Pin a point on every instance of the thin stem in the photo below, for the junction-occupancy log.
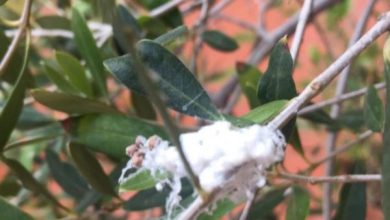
(332, 179)
(200, 26)
(343, 148)
(336, 109)
(320, 82)
(338, 99)
(303, 17)
(161, 10)
(248, 205)
(24, 25)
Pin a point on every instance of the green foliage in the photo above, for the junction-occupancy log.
(219, 41)
(70, 103)
(90, 168)
(90, 52)
(66, 176)
(352, 198)
(298, 205)
(373, 113)
(263, 207)
(8, 211)
(277, 82)
(248, 77)
(182, 91)
(386, 137)
(140, 180)
(108, 133)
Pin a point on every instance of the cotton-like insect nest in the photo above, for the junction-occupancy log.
(221, 155)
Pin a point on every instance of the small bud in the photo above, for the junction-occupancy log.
(137, 159)
(153, 142)
(140, 140)
(130, 150)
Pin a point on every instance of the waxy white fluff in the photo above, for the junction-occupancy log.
(222, 156)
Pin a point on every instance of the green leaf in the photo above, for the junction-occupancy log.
(153, 27)
(319, 116)
(88, 49)
(151, 198)
(277, 82)
(295, 141)
(176, 82)
(263, 207)
(13, 107)
(75, 72)
(373, 114)
(109, 134)
(29, 182)
(2, 2)
(129, 20)
(266, 112)
(54, 22)
(351, 119)
(143, 107)
(352, 199)
(249, 77)
(54, 73)
(171, 35)
(222, 208)
(386, 137)
(219, 41)
(91, 169)
(142, 179)
(8, 211)
(66, 176)
(173, 18)
(70, 103)
(298, 205)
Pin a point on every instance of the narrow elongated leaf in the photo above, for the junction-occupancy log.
(13, 107)
(54, 74)
(171, 35)
(143, 107)
(176, 82)
(142, 179)
(89, 51)
(109, 134)
(352, 199)
(373, 113)
(91, 169)
(222, 208)
(249, 77)
(298, 206)
(54, 22)
(71, 104)
(8, 211)
(75, 72)
(262, 208)
(386, 137)
(220, 41)
(29, 182)
(14, 66)
(128, 19)
(173, 18)
(66, 176)
(277, 82)
(265, 113)
(31, 118)
(150, 198)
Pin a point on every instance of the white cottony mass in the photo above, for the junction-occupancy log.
(224, 157)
